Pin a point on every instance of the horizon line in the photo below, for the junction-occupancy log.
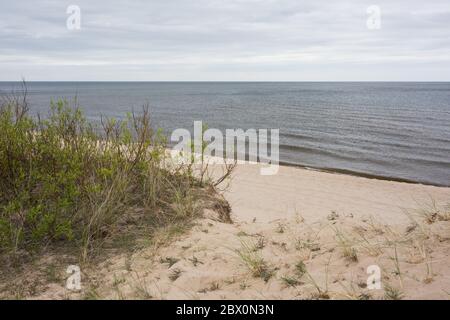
(234, 81)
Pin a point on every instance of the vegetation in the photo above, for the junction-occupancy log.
(67, 182)
(254, 262)
(290, 281)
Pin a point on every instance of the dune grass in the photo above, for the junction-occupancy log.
(67, 182)
(254, 261)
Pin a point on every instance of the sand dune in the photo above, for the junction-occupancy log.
(300, 234)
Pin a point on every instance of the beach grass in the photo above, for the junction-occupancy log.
(66, 182)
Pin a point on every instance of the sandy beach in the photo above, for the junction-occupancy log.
(225, 151)
(300, 234)
(315, 194)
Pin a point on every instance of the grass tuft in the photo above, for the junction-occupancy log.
(392, 293)
(290, 281)
(254, 262)
(175, 274)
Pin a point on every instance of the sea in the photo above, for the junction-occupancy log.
(386, 130)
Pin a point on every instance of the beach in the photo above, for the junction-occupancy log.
(233, 152)
(315, 194)
(300, 234)
(142, 221)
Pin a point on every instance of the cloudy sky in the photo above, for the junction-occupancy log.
(227, 40)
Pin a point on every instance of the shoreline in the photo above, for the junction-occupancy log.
(318, 192)
(330, 170)
(360, 174)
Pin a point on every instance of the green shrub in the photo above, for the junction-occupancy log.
(65, 180)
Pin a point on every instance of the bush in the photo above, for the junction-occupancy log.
(65, 180)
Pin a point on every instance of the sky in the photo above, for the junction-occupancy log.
(225, 40)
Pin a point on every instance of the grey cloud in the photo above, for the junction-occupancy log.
(225, 40)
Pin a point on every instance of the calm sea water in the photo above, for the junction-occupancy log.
(391, 130)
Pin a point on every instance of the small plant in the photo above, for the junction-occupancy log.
(169, 260)
(290, 281)
(260, 243)
(298, 217)
(392, 293)
(244, 286)
(444, 216)
(195, 261)
(214, 286)
(300, 269)
(431, 217)
(432, 212)
(348, 251)
(280, 228)
(242, 234)
(350, 254)
(308, 244)
(91, 294)
(117, 281)
(364, 296)
(175, 274)
(254, 262)
(333, 216)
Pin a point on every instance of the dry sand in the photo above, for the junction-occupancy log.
(315, 194)
(300, 234)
